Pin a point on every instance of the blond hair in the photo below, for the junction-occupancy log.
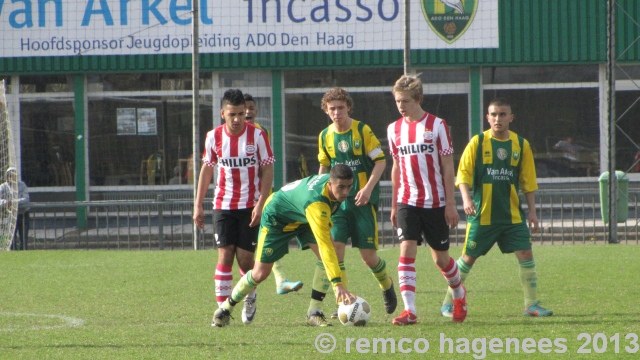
(411, 84)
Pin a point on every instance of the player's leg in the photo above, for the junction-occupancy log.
(410, 231)
(225, 237)
(284, 286)
(517, 239)
(247, 284)
(245, 253)
(273, 239)
(364, 236)
(437, 236)
(223, 277)
(340, 234)
(319, 288)
(465, 263)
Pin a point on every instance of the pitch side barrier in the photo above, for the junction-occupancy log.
(566, 217)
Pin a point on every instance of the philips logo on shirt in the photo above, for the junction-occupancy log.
(412, 149)
(238, 162)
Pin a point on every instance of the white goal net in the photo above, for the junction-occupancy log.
(9, 187)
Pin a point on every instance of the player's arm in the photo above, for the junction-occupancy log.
(529, 184)
(395, 182)
(464, 180)
(266, 181)
(206, 174)
(319, 216)
(450, 211)
(374, 152)
(532, 219)
(363, 196)
(323, 156)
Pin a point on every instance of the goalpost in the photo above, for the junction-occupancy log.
(8, 207)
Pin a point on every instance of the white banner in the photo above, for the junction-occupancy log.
(131, 27)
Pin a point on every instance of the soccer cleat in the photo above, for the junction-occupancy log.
(460, 307)
(334, 315)
(221, 317)
(406, 318)
(447, 310)
(317, 319)
(289, 286)
(249, 310)
(536, 310)
(390, 299)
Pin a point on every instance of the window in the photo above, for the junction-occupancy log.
(47, 142)
(547, 116)
(373, 104)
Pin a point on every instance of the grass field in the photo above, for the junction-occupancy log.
(158, 305)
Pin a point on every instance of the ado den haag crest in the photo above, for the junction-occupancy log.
(449, 18)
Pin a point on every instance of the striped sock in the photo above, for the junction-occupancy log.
(242, 288)
(319, 288)
(407, 282)
(529, 281)
(451, 274)
(463, 269)
(252, 294)
(278, 272)
(223, 280)
(380, 273)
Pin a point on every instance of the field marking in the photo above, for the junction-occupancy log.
(68, 322)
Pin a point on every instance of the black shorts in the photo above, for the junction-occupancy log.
(231, 227)
(416, 223)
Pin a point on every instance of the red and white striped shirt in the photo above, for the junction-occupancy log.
(418, 146)
(238, 159)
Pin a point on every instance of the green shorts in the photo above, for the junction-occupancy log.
(510, 238)
(359, 223)
(273, 240)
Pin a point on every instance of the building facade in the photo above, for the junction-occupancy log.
(88, 124)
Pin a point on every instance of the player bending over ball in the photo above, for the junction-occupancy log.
(302, 209)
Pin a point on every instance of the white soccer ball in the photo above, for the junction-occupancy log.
(357, 313)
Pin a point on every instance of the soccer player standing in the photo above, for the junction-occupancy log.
(244, 161)
(351, 142)
(301, 209)
(496, 164)
(422, 201)
(283, 286)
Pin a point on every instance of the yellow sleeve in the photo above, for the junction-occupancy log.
(467, 163)
(323, 159)
(527, 177)
(372, 145)
(319, 216)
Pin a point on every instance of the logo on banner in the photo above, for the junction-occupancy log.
(449, 18)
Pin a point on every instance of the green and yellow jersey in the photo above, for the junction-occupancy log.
(496, 170)
(265, 131)
(306, 201)
(358, 148)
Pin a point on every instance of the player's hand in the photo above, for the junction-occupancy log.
(451, 216)
(343, 296)
(469, 207)
(362, 197)
(256, 215)
(394, 220)
(198, 218)
(533, 222)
